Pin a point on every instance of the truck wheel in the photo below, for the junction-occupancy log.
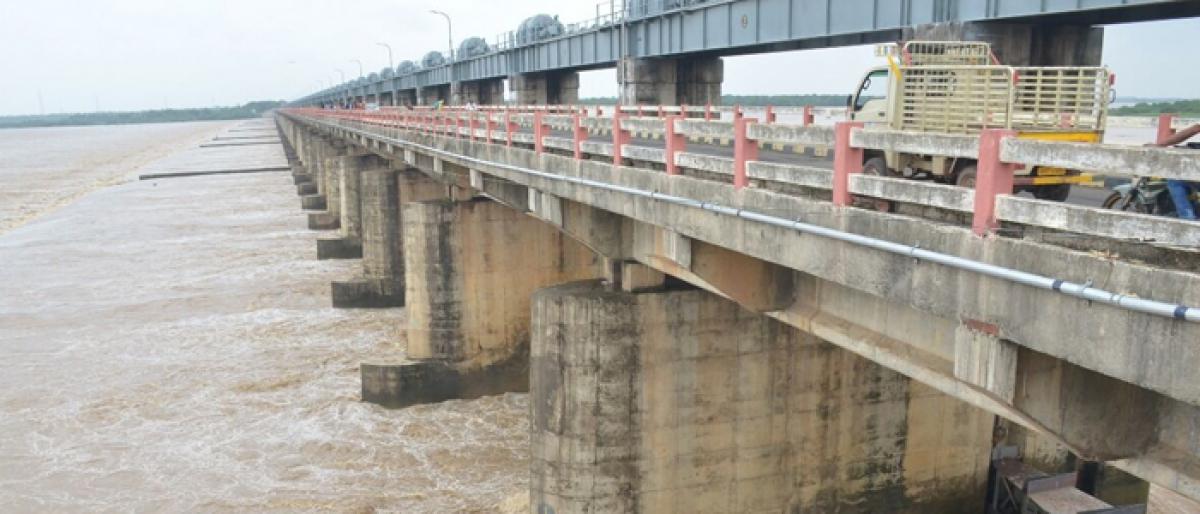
(966, 177)
(877, 166)
(1055, 193)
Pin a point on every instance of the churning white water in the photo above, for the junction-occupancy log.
(168, 345)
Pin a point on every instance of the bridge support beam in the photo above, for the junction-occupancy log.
(480, 92)
(546, 88)
(470, 270)
(681, 401)
(690, 81)
(382, 281)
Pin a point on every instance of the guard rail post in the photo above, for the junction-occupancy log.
(579, 134)
(744, 150)
(673, 143)
(620, 136)
(847, 160)
(1164, 128)
(539, 131)
(992, 177)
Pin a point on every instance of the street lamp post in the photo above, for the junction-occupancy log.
(391, 63)
(450, 40)
(343, 74)
(360, 67)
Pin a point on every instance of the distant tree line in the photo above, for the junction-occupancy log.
(249, 110)
(1189, 108)
(754, 100)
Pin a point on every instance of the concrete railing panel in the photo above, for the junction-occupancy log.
(1098, 222)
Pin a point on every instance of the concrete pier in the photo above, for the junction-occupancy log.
(480, 92)
(383, 192)
(681, 401)
(470, 270)
(348, 206)
(546, 88)
(688, 81)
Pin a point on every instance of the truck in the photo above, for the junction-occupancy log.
(960, 88)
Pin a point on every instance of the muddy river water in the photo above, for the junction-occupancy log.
(168, 346)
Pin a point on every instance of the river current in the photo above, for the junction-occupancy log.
(169, 345)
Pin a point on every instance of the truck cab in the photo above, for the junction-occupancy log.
(869, 103)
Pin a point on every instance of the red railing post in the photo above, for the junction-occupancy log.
(661, 112)
(847, 160)
(621, 137)
(737, 112)
(1164, 128)
(491, 126)
(471, 125)
(509, 127)
(579, 134)
(539, 130)
(639, 110)
(708, 112)
(673, 142)
(808, 115)
(992, 177)
(683, 110)
(744, 150)
(770, 114)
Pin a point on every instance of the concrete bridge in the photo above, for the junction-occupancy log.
(702, 333)
(669, 51)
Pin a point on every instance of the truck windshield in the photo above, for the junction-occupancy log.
(874, 87)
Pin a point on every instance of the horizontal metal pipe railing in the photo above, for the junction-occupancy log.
(1060, 286)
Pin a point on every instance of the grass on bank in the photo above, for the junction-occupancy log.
(249, 110)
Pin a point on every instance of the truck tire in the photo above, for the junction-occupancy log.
(1055, 193)
(965, 177)
(877, 166)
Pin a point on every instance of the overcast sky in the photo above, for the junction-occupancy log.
(140, 54)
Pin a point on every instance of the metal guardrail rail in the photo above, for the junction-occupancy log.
(466, 125)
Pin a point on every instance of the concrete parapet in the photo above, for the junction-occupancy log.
(470, 268)
(681, 401)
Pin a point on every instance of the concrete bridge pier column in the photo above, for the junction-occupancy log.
(348, 207)
(406, 97)
(429, 95)
(382, 281)
(546, 88)
(470, 269)
(302, 175)
(681, 401)
(690, 81)
(316, 200)
(480, 92)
